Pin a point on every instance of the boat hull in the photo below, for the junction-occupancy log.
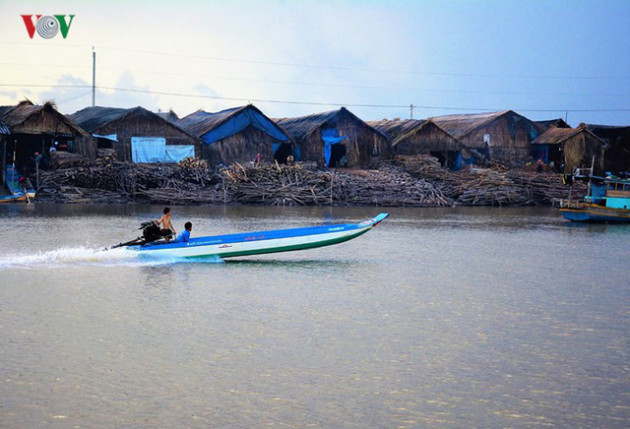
(594, 213)
(260, 242)
(13, 198)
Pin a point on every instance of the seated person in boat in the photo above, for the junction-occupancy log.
(167, 229)
(184, 236)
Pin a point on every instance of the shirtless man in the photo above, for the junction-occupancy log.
(167, 228)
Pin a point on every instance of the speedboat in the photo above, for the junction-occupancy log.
(249, 243)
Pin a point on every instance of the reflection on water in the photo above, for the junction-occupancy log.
(437, 318)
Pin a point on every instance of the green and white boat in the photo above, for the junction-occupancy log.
(255, 243)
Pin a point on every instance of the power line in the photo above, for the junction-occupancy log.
(318, 84)
(308, 103)
(330, 67)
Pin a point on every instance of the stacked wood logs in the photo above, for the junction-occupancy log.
(407, 182)
(272, 184)
(293, 185)
(132, 182)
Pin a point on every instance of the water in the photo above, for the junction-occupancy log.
(436, 318)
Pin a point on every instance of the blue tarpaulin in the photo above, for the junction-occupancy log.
(154, 149)
(241, 121)
(330, 137)
(175, 153)
(148, 149)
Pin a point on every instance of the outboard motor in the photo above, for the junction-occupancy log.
(150, 231)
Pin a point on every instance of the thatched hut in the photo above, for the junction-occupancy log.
(617, 152)
(238, 134)
(337, 138)
(38, 128)
(558, 123)
(170, 116)
(416, 137)
(569, 148)
(503, 136)
(137, 134)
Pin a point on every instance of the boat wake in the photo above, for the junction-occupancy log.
(72, 256)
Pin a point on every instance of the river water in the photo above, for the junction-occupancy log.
(467, 317)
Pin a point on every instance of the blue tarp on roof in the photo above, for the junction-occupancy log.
(241, 121)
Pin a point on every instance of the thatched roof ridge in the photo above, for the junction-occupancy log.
(15, 117)
(462, 124)
(201, 122)
(170, 116)
(94, 118)
(556, 135)
(559, 123)
(394, 128)
(613, 128)
(302, 127)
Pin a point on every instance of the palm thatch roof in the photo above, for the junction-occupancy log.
(94, 118)
(29, 118)
(303, 126)
(556, 136)
(170, 116)
(394, 129)
(559, 123)
(462, 125)
(201, 122)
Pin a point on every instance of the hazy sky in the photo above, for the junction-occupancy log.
(543, 59)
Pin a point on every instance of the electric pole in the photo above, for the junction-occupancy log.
(411, 111)
(93, 77)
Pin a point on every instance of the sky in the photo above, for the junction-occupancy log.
(544, 59)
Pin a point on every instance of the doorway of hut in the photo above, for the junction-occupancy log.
(338, 155)
(282, 152)
(22, 149)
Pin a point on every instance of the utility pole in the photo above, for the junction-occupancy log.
(411, 111)
(93, 77)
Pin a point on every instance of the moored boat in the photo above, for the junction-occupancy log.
(14, 197)
(20, 187)
(607, 200)
(255, 243)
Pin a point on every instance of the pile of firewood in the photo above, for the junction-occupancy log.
(126, 182)
(407, 182)
(272, 184)
(391, 187)
(424, 166)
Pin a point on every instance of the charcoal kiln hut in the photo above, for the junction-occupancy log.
(137, 134)
(41, 129)
(416, 137)
(617, 152)
(502, 136)
(569, 148)
(238, 134)
(336, 139)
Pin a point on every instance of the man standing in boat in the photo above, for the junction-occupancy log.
(167, 229)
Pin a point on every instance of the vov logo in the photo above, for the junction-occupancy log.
(47, 26)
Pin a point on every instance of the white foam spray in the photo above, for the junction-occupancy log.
(72, 256)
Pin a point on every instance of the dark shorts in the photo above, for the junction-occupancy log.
(166, 232)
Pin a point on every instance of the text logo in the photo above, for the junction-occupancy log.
(47, 26)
